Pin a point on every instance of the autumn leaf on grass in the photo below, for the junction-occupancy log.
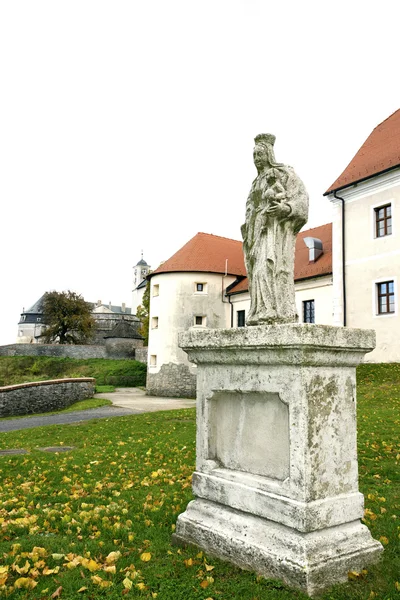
(100, 582)
(90, 564)
(384, 540)
(145, 556)
(57, 556)
(110, 569)
(357, 575)
(57, 593)
(127, 583)
(204, 584)
(22, 570)
(113, 557)
(82, 589)
(208, 567)
(47, 571)
(25, 583)
(141, 586)
(188, 562)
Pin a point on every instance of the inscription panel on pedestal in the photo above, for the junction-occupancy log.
(249, 431)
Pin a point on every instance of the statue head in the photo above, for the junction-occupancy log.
(263, 153)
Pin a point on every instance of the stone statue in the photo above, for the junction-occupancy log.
(276, 210)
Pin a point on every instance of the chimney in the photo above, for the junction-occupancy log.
(98, 302)
(123, 307)
(315, 248)
(109, 304)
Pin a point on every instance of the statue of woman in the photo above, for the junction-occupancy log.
(276, 210)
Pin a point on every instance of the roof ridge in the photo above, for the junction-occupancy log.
(316, 227)
(387, 118)
(221, 237)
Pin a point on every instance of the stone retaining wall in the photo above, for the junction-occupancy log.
(55, 350)
(73, 351)
(173, 381)
(44, 396)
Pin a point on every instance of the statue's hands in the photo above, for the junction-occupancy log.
(243, 230)
(279, 210)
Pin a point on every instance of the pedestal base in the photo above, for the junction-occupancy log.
(276, 480)
(308, 561)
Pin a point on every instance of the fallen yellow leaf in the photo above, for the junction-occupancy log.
(141, 586)
(145, 556)
(25, 583)
(90, 564)
(113, 557)
(208, 567)
(127, 583)
(82, 589)
(384, 540)
(204, 584)
(47, 571)
(22, 570)
(110, 569)
(188, 562)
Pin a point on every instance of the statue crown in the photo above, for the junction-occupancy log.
(265, 138)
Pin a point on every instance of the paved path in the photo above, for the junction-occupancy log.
(126, 401)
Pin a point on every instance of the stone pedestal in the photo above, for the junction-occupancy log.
(276, 480)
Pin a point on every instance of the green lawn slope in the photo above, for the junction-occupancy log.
(21, 369)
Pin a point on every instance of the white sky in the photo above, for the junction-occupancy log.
(129, 125)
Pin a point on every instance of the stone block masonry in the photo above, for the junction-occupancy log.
(80, 351)
(172, 381)
(44, 396)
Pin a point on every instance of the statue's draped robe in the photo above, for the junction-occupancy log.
(269, 246)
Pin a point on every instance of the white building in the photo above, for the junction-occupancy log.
(366, 240)
(205, 285)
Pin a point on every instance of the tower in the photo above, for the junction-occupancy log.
(140, 272)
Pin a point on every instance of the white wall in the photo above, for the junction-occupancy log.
(176, 306)
(368, 260)
(318, 289)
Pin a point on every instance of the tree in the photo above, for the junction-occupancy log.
(143, 313)
(67, 317)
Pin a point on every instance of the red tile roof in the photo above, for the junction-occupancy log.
(303, 269)
(380, 152)
(207, 253)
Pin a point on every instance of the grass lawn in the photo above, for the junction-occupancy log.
(96, 522)
(21, 369)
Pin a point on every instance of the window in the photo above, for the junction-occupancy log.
(153, 360)
(156, 290)
(199, 320)
(241, 318)
(200, 287)
(38, 319)
(308, 311)
(383, 220)
(385, 297)
(154, 323)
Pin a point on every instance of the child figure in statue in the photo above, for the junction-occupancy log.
(276, 210)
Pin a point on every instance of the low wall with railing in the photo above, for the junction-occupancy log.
(44, 396)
